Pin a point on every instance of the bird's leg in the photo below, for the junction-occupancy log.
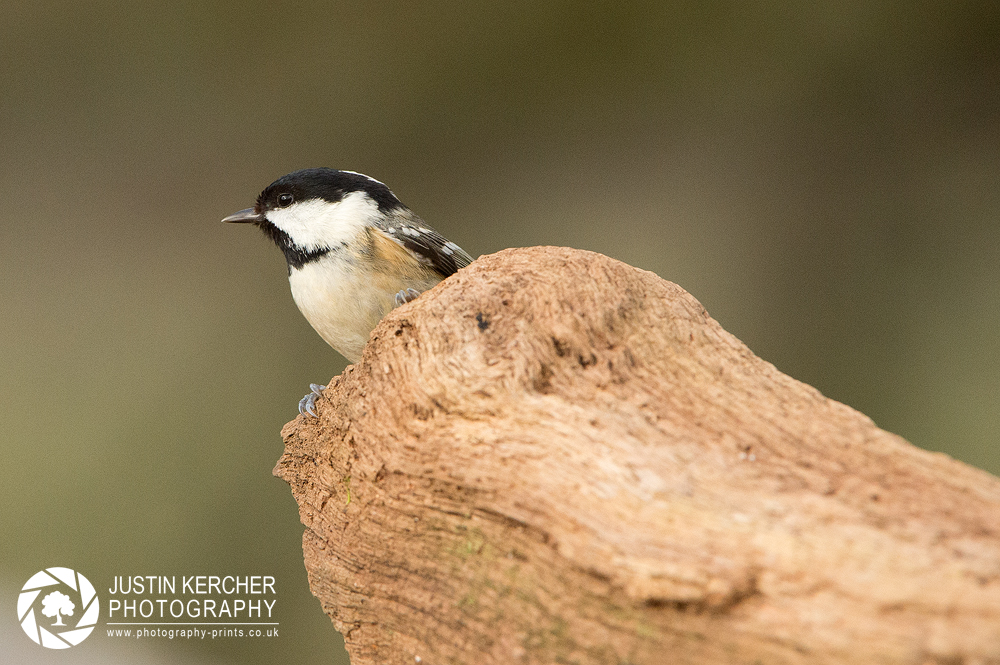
(405, 296)
(307, 405)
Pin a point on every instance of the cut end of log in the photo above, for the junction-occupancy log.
(556, 457)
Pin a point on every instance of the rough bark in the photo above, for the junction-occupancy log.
(553, 457)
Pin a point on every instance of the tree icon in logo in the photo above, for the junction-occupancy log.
(55, 605)
(57, 593)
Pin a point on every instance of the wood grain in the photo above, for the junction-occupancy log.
(554, 457)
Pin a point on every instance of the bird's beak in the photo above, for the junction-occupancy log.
(247, 216)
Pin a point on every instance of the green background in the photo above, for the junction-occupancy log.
(823, 177)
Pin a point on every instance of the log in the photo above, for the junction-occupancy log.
(554, 457)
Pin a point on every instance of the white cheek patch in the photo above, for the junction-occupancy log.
(318, 224)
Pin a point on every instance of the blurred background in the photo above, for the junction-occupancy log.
(823, 177)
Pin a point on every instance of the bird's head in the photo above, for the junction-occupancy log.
(310, 212)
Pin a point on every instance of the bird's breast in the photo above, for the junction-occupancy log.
(344, 302)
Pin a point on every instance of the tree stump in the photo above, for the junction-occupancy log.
(554, 457)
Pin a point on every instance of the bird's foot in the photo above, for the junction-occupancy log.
(405, 296)
(307, 405)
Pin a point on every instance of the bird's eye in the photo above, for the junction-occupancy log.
(285, 200)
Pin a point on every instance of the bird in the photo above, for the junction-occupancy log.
(354, 253)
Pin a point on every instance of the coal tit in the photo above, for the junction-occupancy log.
(354, 252)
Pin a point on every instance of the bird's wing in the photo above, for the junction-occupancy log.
(430, 247)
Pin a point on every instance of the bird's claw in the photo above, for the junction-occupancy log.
(406, 295)
(307, 405)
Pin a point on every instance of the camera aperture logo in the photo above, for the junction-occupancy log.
(58, 608)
